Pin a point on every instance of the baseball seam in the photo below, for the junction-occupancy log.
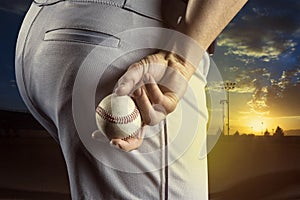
(133, 135)
(117, 119)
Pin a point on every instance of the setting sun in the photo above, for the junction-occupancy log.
(257, 125)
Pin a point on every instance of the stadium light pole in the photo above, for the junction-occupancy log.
(228, 85)
(223, 102)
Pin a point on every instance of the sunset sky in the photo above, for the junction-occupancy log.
(259, 50)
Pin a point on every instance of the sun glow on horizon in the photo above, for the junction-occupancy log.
(257, 125)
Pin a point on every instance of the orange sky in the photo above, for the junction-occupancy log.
(245, 120)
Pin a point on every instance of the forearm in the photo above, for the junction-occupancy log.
(205, 19)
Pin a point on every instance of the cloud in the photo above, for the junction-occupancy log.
(262, 31)
(287, 103)
(247, 80)
(233, 68)
(268, 95)
(276, 97)
(240, 87)
(250, 80)
(283, 94)
(261, 47)
(247, 53)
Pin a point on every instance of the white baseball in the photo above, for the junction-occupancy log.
(118, 117)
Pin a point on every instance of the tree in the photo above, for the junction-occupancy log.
(266, 133)
(237, 133)
(279, 132)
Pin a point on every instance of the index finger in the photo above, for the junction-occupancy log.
(129, 81)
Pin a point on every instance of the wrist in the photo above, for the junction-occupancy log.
(179, 64)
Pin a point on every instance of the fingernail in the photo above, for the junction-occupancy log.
(114, 145)
(120, 88)
(122, 84)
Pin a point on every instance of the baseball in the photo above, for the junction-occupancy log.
(118, 117)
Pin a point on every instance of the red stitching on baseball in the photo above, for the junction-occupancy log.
(117, 119)
(133, 135)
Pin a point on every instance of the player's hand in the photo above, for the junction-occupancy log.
(156, 83)
(130, 143)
